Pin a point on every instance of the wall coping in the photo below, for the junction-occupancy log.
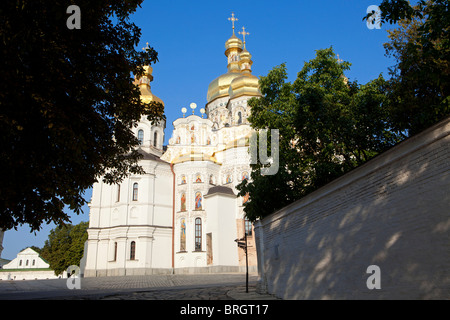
(402, 149)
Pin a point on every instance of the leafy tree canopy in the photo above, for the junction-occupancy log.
(419, 87)
(65, 246)
(67, 105)
(327, 124)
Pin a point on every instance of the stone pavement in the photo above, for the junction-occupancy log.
(226, 286)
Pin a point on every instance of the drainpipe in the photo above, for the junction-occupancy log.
(173, 218)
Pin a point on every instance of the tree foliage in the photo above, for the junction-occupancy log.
(65, 246)
(327, 124)
(67, 105)
(419, 87)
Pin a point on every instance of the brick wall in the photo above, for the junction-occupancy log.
(392, 212)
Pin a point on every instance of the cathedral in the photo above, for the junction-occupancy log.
(183, 215)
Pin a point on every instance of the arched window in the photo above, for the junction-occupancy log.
(248, 227)
(155, 139)
(198, 234)
(135, 191)
(132, 250)
(141, 136)
(239, 118)
(115, 251)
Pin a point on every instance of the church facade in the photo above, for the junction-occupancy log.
(184, 214)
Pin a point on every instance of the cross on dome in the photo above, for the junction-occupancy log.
(244, 33)
(232, 19)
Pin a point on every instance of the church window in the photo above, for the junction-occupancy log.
(183, 202)
(198, 201)
(248, 227)
(115, 251)
(155, 139)
(132, 250)
(198, 234)
(20, 263)
(26, 263)
(183, 235)
(34, 262)
(141, 136)
(135, 191)
(239, 121)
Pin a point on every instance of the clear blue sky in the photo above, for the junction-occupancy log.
(189, 37)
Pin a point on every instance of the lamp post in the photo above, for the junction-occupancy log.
(242, 243)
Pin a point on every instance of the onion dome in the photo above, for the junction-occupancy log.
(246, 83)
(219, 86)
(144, 86)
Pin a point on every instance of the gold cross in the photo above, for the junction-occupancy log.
(338, 59)
(244, 33)
(232, 19)
(145, 48)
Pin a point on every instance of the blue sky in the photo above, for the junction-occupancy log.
(189, 37)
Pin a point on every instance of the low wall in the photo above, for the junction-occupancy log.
(27, 275)
(393, 212)
(186, 270)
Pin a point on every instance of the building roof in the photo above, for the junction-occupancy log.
(150, 156)
(220, 189)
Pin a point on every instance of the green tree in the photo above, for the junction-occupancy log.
(67, 105)
(65, 246)
(419, 87)
(327, 124)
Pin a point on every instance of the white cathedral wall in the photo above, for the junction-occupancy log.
(147, 221)
(190, 169)
(221, 211)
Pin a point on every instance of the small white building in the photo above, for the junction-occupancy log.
(28, 265)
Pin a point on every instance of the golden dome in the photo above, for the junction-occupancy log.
(233, 43)
(219, 86)
(144, 86)
(246, 83)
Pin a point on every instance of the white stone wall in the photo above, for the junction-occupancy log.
(222, 216)
(118, 221)
(393, 212)
(28, 275)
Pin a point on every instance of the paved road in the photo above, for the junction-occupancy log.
(150, 287)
